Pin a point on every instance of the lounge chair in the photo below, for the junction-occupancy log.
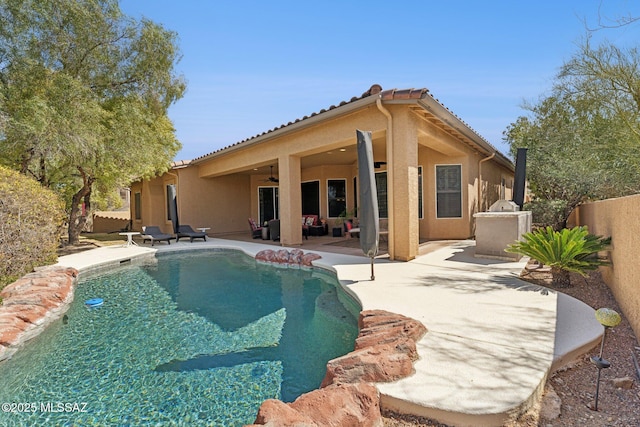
(153, 233)
(187, 231)
(256, 232)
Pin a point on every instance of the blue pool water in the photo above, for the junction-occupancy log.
(194, 339)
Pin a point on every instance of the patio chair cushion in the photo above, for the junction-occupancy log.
(256, 231)
(309, 220)
(312, 226)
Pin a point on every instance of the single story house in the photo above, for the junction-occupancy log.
(433, 172)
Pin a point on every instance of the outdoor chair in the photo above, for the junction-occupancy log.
(187, 231)
(153, 233)
(274, 229)
(256, 232)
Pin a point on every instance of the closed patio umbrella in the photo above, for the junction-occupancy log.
(173, 207)
(368, 209)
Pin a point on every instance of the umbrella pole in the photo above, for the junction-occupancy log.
(373, 277)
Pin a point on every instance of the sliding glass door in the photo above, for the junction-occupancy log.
(268, 199)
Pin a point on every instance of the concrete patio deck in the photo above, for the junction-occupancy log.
(492, 339)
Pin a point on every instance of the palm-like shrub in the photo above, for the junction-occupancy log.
(565, 251)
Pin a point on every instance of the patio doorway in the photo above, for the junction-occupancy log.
(268, 198)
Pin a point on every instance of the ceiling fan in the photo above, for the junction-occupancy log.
(271, 177)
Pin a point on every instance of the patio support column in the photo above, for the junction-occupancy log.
(404, 190)
(290, 196)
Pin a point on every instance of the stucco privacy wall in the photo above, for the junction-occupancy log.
(108, 225)
(618, 218)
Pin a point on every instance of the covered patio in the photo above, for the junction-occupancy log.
(338, 245)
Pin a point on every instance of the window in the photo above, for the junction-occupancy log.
(449, 191)
(268, 199)
(420, 209)
(137, 206)
(336, 197)
(311, 198)
(381, 189)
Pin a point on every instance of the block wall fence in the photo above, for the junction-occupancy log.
(620, 219)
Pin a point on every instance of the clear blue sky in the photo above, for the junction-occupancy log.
(251, 66)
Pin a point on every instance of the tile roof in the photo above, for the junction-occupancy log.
(180, 164)
(376, 89)
(403, 94)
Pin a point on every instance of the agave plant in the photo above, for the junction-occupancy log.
(565, 251)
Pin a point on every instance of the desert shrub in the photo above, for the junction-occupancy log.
(548, 213)
(31, 219)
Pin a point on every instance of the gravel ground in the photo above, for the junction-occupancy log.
(570, 393)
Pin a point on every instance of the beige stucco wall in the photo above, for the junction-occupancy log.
(287, 150)
(323, 137)
(222, 203)
(618, 218)
(221, 192)
(433, 228)
(153, 204)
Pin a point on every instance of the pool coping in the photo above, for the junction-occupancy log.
(493, 339)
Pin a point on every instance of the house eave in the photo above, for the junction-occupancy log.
(291, 127)
(449, 119)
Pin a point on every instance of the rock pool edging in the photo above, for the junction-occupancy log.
(33, 302)
(384, 351)
(295, 258)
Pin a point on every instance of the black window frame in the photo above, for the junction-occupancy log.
(336, 199)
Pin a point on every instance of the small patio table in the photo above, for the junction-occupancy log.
(129, 235)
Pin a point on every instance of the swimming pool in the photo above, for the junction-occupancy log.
(200, 338)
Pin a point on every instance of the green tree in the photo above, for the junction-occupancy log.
(583, 139)
(84, 94)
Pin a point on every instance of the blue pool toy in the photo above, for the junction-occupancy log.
(94, 302)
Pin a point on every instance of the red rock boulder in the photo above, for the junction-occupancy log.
(31, 303)
(339, 405)
(294, 259)
(385, 351)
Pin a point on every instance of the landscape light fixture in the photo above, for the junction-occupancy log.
(607, 318)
